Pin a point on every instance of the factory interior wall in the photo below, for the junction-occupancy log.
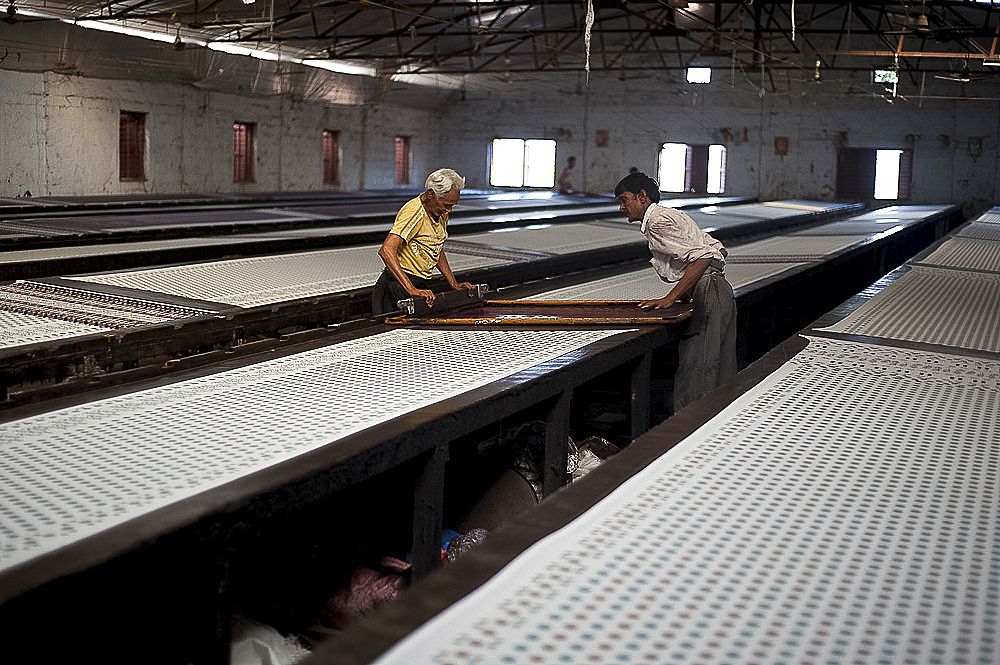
(612, 125)
(59, 135)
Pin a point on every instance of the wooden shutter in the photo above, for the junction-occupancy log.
(856, 174)
(242, 152)
(131, 146)
(905, 175)
(697, 169)
(331, 158)
(402, 160)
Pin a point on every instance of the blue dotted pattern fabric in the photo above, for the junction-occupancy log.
(845, 510)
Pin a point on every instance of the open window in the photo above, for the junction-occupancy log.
(874, 173)
(523, 163)
(700, 169)
(885, 76)
(698, 74)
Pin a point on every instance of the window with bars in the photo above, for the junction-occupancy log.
(402, 160)
(331, 158)
(131, 146)
(243, 152)
(700, 169)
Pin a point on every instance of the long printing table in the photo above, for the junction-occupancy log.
(51, 334)
(837, 502)
(766, 536)
(138, 498)
(31, 583)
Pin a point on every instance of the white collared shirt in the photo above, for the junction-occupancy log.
(675, 241)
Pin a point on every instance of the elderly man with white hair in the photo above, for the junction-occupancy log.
(415, 245)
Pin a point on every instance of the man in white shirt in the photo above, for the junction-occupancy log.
(692, 263)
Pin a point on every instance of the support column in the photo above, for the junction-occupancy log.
(640, 383)
(556, 432)
(428, 511)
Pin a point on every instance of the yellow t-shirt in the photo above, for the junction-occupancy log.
(423, 238)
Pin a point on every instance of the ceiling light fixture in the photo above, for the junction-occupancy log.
(24, 11)
(179, 42)
(125, 30)
(341, 67)
(236, 49)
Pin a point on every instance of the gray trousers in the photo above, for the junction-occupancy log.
(707, 349)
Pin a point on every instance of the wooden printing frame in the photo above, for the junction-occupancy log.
(673, 314)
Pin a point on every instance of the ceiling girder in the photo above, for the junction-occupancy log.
(492, 36)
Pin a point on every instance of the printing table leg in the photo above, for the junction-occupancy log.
(640, 387)
(556, 431)
(428, 511)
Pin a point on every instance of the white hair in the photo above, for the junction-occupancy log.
(443, 181)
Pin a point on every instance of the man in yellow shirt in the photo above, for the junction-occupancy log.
(415, 245)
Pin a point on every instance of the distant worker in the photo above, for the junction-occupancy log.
(693, 264)
(415, 245)
(565, 185)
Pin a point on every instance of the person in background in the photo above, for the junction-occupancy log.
(565, 186)
(415, 245)
(692, 264)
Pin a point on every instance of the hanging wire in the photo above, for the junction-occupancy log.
(793, 20)
(586, 35)
(895, 79)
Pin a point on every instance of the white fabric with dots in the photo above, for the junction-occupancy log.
(17, 328)
(559, 238)
(71, 473)
(845, 510)
(981, 231)
(967, 254)
(644, 284)
(264, 280)
(957, 308)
